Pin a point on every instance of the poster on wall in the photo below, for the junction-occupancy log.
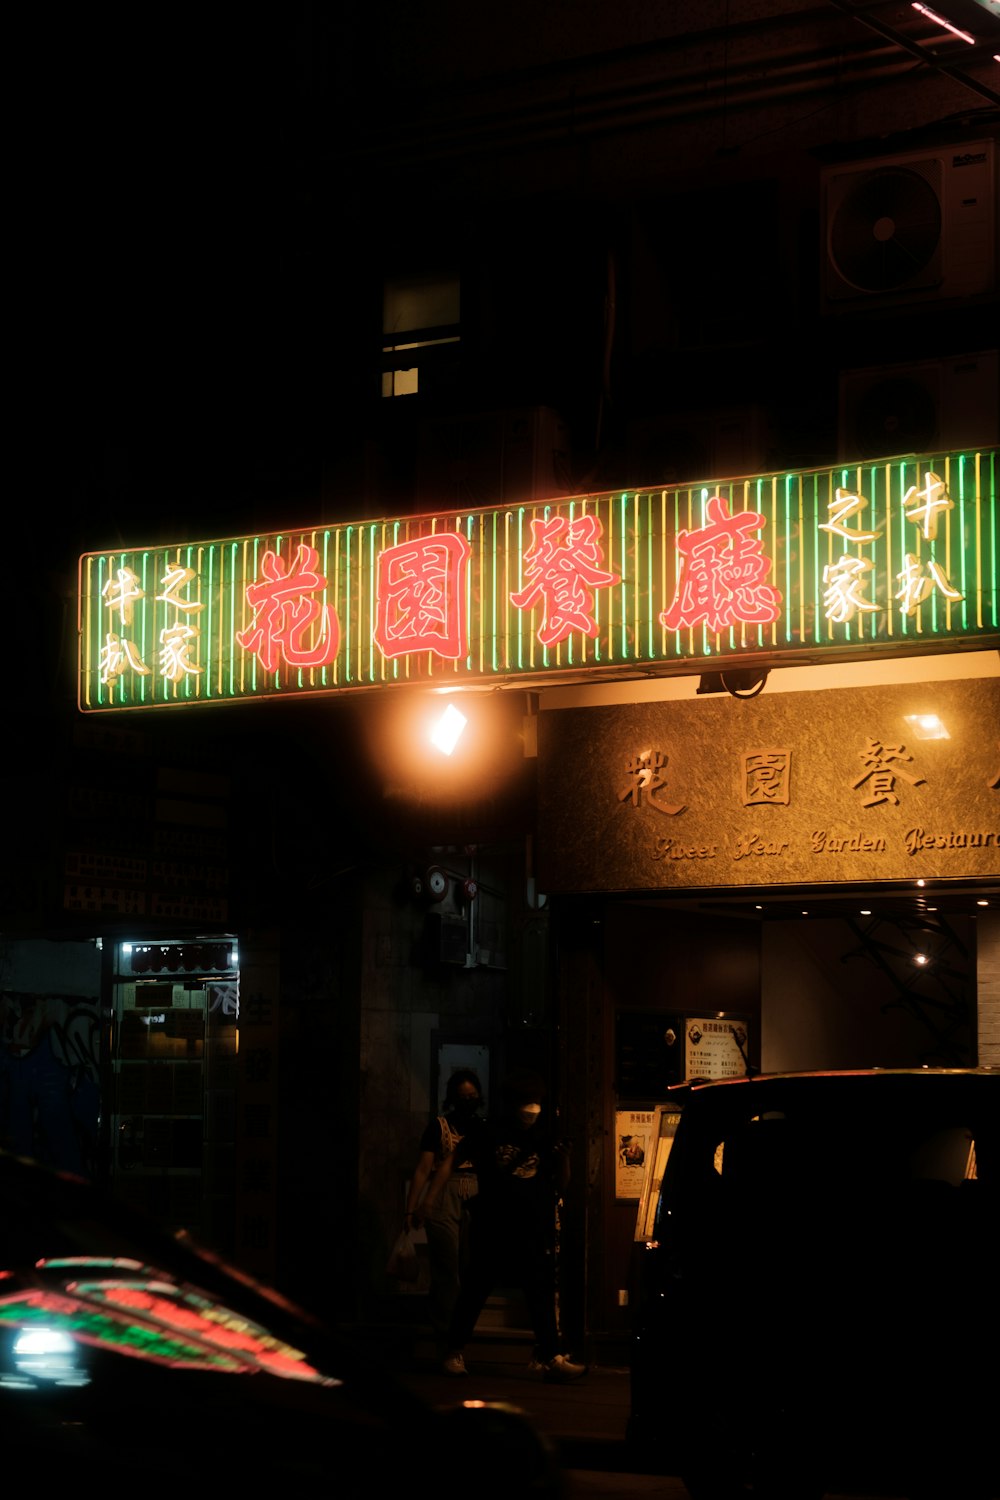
(716, 1047)
(635, 1141)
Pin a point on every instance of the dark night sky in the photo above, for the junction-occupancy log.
(169, 345)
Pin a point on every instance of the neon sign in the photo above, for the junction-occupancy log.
(896, 555)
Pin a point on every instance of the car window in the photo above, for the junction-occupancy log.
(810, 1145)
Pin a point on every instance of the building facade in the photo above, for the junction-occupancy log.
(661, 254)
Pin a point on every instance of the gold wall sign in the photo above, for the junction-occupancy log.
(799, 788)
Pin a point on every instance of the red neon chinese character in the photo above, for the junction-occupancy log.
(563, 566)
(284, 612)
(420, 596)
(722, 573)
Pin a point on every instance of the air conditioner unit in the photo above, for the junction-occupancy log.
(911, 228)
(922, 407)
(492, 458)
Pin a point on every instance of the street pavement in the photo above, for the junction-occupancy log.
(585, 1420)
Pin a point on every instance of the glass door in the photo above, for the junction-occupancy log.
(175, 1042)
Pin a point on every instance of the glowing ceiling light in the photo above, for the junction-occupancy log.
(920, 958)
(447, 731)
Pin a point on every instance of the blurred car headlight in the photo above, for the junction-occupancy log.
(48, 1354)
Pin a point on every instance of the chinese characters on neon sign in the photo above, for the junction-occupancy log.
(564, 566)
(723, 573)
(420, 594)
(773, 565)
(286, 612)
(847, 579)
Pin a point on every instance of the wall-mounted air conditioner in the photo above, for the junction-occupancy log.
(915, 227)
(921, 407)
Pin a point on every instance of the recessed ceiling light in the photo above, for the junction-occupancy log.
(982, 903)
(927, 726)
(865, 912)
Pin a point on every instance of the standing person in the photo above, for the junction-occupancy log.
(522, 1172)
(446, 1220)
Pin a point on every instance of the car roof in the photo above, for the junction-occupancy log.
(699, 1086)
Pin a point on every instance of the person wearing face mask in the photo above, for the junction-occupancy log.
(445, 1217)
(522, 1172)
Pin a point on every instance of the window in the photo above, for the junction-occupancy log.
(420, 320)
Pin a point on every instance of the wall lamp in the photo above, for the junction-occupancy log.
(739, 682)
(447, 729)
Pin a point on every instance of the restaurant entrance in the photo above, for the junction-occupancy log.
(658, 990)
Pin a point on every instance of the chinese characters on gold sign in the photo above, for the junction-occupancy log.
(766, 777)
(646, 784)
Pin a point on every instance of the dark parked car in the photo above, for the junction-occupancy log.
(818, 1303)
(129, 1357)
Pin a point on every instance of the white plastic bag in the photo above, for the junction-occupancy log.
(403, 1260)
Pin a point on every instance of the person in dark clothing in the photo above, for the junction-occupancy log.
(446, 1222)
(522, 1171)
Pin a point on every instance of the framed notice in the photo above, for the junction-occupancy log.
(716, 1047)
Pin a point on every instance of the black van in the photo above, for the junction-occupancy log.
(817, 1303)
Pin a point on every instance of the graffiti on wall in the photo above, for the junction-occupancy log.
(50, 1078)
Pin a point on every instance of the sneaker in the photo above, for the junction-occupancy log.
(454, 1365)
(563, 1369)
